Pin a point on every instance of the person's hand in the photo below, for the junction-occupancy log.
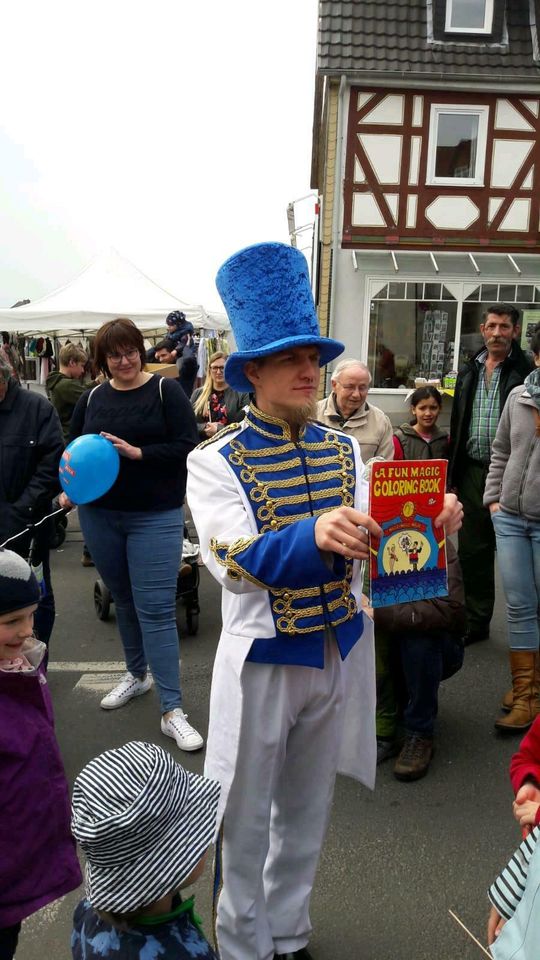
(341, 531)
(528, 791)
(525, 806)
(451, 516)
(495, 925)
(366, 608)
(64, 502)
(494, 507)
(525, 814)
(210, 429)
(124, 448)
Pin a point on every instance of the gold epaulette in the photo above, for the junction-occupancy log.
(220, 433)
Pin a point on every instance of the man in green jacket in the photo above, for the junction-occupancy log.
(64, 387)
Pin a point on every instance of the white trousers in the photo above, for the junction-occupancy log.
(279, 804)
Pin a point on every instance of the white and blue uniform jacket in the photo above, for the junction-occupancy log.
(257, 535)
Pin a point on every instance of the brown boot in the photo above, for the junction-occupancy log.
(507, 701)
(526, 705)
(414, 758)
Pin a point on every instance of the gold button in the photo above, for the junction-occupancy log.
(273, 523)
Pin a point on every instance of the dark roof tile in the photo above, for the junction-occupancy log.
(358, 36)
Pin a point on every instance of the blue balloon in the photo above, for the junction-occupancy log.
(88, 468)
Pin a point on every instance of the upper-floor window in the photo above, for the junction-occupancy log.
(469, 16)
(457, 145)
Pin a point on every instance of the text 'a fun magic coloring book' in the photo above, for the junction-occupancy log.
(409, 561)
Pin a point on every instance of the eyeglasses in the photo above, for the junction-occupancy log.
(218, 368)
(118, 357)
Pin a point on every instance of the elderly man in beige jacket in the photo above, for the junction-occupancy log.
(347, 409)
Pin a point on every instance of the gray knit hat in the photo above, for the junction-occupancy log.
(18, 585)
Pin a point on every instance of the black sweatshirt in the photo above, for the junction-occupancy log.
(165, 430)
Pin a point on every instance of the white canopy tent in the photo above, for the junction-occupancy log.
(109, 287)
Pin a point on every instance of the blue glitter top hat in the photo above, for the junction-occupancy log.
(267, 295)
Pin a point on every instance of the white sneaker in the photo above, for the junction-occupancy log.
(128, 688)
(180, 730)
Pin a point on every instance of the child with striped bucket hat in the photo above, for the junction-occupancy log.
(145, 825)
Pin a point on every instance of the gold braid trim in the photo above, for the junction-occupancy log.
(253, 469)
(268, 509)
(284, 483)
(323, 461)
(267, 418)
(225, 553)
(284, 597)
(288, 594)
(267, 433)
(260, 492)
(262, 451)
(278, 522)
(290, 627)
(220, 433)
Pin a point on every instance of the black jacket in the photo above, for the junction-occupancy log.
(232, 400)
(414, 446)
(31, 444)
(515, 368)
(429, 616)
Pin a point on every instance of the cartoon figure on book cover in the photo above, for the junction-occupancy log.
(409, 562)
(414, 554)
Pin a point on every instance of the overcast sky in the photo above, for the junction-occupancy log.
(175, 131)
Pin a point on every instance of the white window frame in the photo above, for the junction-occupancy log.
(482, 112)
(488, 20)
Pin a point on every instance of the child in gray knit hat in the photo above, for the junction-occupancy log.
(38, 863)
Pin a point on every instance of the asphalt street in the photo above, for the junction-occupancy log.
(395, 861)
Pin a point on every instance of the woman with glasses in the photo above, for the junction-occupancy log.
(216, 404)
(135, 531)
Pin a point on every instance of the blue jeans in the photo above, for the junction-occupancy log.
(426, 661)
(410, 668)
(518, 550)
(138, 555)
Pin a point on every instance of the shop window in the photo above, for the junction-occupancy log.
(507, 293)
(469, 16)
(457, 145)
(524, 294)
(489, 293)
(410, 339)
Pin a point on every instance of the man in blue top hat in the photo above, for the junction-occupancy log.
(293, 691)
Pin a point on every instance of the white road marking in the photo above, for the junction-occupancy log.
(99, 682)
(95, 666)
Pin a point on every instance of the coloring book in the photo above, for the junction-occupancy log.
(409, 561)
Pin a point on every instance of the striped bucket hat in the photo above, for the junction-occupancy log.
(144, 823)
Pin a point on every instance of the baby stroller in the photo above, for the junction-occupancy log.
(187, 589)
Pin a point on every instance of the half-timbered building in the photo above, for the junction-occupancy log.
(426, 156)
